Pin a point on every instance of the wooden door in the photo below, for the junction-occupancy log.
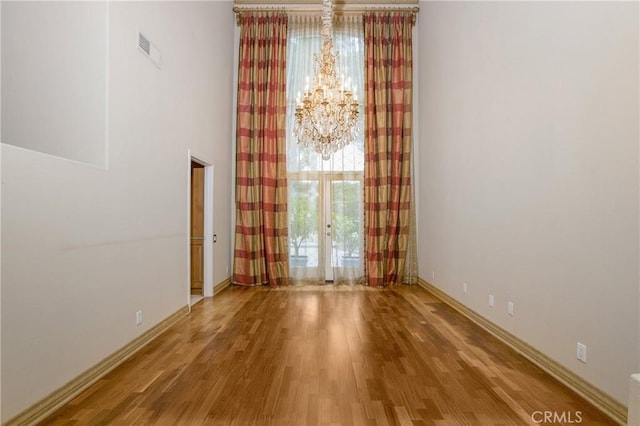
(197, 227)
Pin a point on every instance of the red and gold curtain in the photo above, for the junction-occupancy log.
(260, 254)
(388, 124)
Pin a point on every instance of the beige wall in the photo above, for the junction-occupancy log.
(0, 216)
(85, 247)
(528, 173)
(527, 186)
(71, 113)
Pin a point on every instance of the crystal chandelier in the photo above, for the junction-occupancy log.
(327, 115)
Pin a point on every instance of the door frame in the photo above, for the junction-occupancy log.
(327, 213)
(207, 285)
(326, 230)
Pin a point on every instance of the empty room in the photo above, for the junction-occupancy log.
(320, 212)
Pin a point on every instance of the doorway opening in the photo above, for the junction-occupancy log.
(197, 229)
(200, 251)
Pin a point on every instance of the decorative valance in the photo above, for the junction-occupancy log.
(312, 8)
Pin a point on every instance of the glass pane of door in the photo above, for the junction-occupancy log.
(304, 221)
(346, 223)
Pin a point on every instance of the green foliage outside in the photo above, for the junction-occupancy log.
(347, 232)
(303, 217)
(346, 216)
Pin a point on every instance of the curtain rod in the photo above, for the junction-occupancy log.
(313, 10)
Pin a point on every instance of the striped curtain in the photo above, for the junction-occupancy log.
(388, 124)
(260, 253)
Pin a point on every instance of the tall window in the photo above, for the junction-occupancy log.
(325, 197)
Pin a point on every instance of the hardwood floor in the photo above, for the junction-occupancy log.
(326, 356)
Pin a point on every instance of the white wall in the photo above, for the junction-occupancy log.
(528, 184)
(85, 247)
(0, 214)
(55, 86)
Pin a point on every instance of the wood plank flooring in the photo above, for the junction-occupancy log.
(325, 356)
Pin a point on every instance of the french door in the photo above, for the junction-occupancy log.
(325, 225)
(325, 196)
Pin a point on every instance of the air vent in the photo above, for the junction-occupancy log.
(149, 50)
(144, 44)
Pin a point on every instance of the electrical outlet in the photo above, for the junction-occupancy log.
(510, 308)
(492, 300)
(464, 288)
(581, 352)
(138, 317)
(433, 275)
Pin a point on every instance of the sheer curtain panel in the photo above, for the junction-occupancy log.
(325, 197)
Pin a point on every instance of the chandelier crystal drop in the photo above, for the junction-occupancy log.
(327, 115)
